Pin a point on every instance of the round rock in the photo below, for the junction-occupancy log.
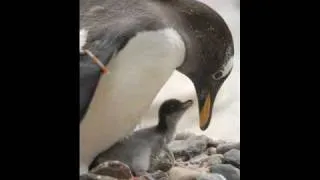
(227, 170)
(232, 157)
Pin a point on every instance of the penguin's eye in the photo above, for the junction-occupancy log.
(224, 70)
(218, 75)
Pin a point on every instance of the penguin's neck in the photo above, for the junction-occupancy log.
(137, 73)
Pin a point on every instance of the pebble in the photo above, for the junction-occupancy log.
(211, 150)
(232, 157)
(223, 148)
(180, 173)
(227, 170)
(212, 160)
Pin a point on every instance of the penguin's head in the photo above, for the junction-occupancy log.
(208, 87)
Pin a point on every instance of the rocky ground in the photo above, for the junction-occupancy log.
(189, 157)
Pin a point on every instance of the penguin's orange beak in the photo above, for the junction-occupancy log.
(205, 113)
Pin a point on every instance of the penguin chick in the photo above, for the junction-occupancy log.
(137, 149)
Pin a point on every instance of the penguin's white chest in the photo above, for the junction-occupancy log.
(137, 73)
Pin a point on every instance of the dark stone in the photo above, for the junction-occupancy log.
(227, 170)
(223, 148)
(114, 169)
(232, 157)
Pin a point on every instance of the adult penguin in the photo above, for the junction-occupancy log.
(142, 42)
